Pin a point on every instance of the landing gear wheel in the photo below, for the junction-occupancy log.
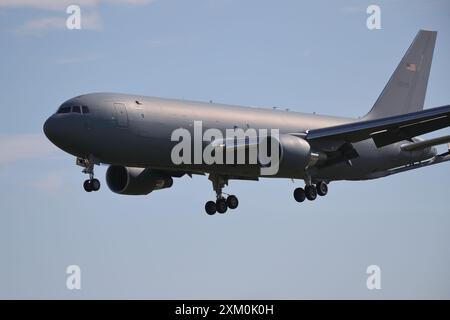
(87, 185)
(232, 202)
(322, 188)
(95, 184)
(221, 205)
(310, 192)
(210, 208)
(299, 195)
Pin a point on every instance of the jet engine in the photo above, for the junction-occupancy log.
(295, 154)
(135, 181)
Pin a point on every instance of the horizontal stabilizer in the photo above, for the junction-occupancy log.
(426, 143)
(445, 157)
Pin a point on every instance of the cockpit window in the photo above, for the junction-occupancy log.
(64, 109)
(74, 109)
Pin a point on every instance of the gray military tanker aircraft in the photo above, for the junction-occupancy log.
(135, 136)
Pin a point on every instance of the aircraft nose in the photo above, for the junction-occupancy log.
(56, 130)
(66, 132)
(50, 129)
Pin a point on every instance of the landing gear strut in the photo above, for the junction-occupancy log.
(91, 184)
(222, 203)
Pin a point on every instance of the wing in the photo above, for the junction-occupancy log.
(383, 131)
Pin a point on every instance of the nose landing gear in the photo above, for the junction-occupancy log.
(91, 184)
(222, 203)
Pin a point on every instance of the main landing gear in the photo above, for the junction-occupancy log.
(222, 203)
(91, 184)
(311, 191)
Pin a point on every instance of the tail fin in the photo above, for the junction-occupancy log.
(406, 89)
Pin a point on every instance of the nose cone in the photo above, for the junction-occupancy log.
(59, 131)
(50, 129)
(68, 133)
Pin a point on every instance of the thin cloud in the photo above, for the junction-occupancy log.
(63, 4)
(353, 9)
(153, 43)
(133, 2)
(46, 4)
(52, 182)
(78, 59)
(37, 26)
(90, 19)
(22, 147)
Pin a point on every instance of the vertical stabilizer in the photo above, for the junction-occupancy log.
(406, 89)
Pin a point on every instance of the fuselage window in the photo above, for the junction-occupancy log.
(65, 109)
(76, 109)
(85, 109)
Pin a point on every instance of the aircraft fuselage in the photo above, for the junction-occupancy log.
(135, 131)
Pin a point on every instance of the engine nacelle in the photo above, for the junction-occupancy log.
(135, 181)
(295, 154)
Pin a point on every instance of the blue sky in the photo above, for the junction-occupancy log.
(307, 56)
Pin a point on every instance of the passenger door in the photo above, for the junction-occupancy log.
(121, 115)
